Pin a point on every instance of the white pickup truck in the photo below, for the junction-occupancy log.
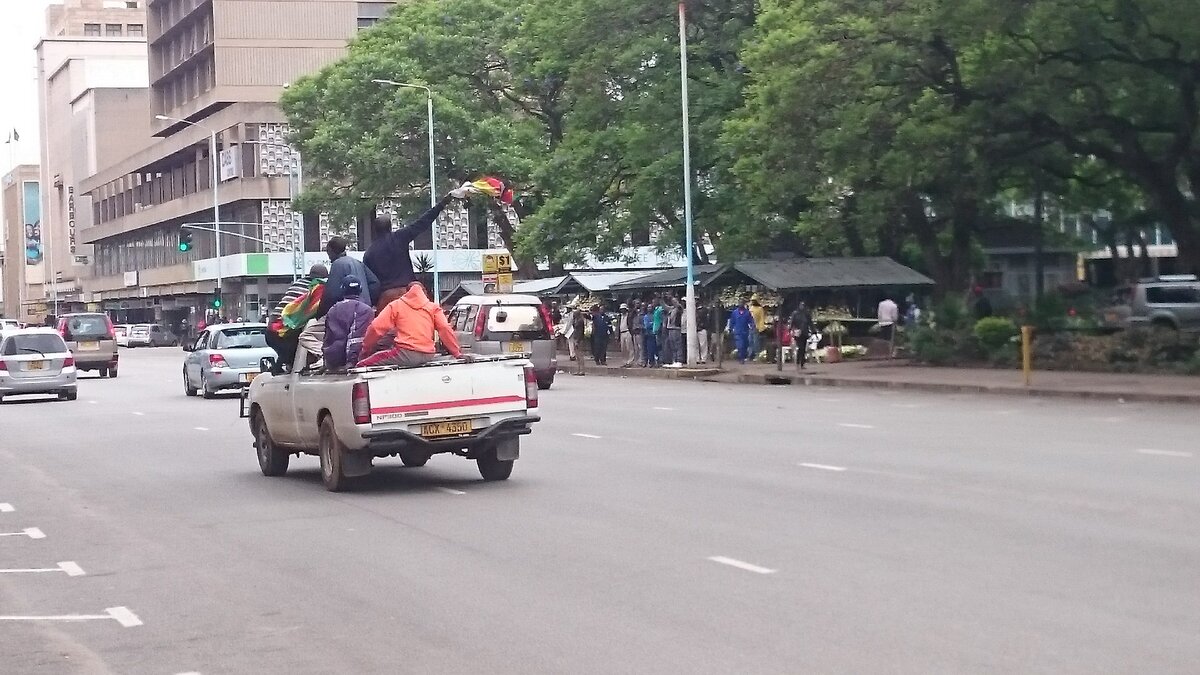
(476, 409)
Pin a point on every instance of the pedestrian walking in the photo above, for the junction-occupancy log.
(625, 327)
(578, 335)
(760, 324)
(601, 329)
(742, 325)
(650, 343)
(887, 315)
(800, 325)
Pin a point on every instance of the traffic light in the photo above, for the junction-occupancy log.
(215, 303)
(185, 240)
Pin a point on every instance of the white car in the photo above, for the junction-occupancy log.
(122, 332)
(36, 361)
(477, 409)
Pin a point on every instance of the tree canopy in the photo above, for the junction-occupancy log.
(818, 126)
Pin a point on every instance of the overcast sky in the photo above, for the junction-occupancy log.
(21, 25)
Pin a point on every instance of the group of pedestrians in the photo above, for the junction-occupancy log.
(364, 313)
(652, 332)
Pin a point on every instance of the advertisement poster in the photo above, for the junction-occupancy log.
(32, 195)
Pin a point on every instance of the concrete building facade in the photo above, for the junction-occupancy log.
(24, 259)
(97, 18)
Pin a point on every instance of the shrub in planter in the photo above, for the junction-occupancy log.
(994, 332)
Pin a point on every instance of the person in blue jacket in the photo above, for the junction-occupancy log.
(650, 349)
(741, 324)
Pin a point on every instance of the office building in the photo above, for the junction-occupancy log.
(24, 263)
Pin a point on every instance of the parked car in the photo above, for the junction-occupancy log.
(507, 324)
(10, 324)
(1169, 302)
(92, 341)
(36, 361)
(121, 334)
(151, 335)
(224, 357)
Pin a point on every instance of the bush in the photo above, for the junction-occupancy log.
(994, 332)
(951, 314)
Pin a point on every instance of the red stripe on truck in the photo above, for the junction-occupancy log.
(464, 403)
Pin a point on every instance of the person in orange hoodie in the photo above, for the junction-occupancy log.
(411, 320)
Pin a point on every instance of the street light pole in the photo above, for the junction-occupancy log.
(437, 286)
(693, 349)
(216, 179)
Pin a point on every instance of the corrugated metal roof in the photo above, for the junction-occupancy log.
(670, 278)
(595, 282)
(805, 273)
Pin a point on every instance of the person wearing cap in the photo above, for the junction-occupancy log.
(346, 325)
(625, 335)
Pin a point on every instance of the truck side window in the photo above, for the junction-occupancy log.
(469, 318)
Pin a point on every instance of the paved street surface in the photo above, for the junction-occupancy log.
(650, 527)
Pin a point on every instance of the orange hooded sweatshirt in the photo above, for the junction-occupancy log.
(413, 318)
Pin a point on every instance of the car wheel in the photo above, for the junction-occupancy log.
(103, 373)
(271, 460)
(188, 389)
(494, 469)
(414, 459)
(333, 474)
(112, 372)
(204, 389)
(545, 382)
(68, 396)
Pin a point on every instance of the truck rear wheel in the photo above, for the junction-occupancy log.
(271, 460)
(333, 473)
(492, 468)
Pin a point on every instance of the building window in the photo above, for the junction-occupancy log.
(136, 30)
(113, 30)
(91, 29)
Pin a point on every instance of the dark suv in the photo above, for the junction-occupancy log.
(1171, 302)
(92, 341)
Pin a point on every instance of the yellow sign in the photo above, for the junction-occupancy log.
(504, 282)
(497, 263)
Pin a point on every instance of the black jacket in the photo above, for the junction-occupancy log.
(389, 259)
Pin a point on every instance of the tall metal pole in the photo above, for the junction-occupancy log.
(693, 349)
(298, 264)
(216, 179)
(433, 231)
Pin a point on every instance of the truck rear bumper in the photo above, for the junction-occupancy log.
(395, 439)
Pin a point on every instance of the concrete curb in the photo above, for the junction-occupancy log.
(716, 375)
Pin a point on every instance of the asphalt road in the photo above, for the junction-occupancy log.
(650, 527)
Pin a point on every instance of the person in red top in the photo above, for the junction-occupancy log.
(411, 321)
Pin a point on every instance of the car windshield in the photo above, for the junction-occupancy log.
(34, 343)
(86, 326)
(242, 338)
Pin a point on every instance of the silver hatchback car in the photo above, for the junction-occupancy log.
(36, 361)
(225, 356)
(507, 324)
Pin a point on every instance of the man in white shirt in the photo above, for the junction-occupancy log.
(889, 314)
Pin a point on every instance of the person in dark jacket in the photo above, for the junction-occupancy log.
(601, 329)
(388, 256)
(343, 266)
(800, 325)
(346, 325)
(742, 325)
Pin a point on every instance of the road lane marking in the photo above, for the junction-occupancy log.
(450, 491)
(823, 467)
(6, 508)
(31, 532)
(851, 425)
(121, 615)
(658, 407)
(741, 564)
(200, 428)
(1164, 453)
(139, 413)
(908, 406)
(586, 436)
(69, 567)
(93, 402)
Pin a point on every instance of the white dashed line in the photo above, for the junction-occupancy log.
(586, 436)
(93, 402)
(450, 491)
(657, 407)
(6, 508)
(121, 615)
(69, 567)
(200, 428)
(741, 565)
(139, 414)
(850, 425)
(31, 532)
(1164, 453)
(823, 467)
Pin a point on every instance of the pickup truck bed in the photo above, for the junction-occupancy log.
(476, 409)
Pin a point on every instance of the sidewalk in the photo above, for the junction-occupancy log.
(902, 375)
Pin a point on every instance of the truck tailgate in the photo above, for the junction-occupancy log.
(447, 391)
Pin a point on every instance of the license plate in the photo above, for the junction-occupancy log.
(517, 347)
(37, 365)
(455, 428)
(248, 377)
(1110, 317)
(89, 346)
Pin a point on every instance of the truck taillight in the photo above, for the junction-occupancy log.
(481, 321)
(360, 403)
(531, 388)
(217, 361)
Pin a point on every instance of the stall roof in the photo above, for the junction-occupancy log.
(791, 274)
(596, 282)
(804, 273)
